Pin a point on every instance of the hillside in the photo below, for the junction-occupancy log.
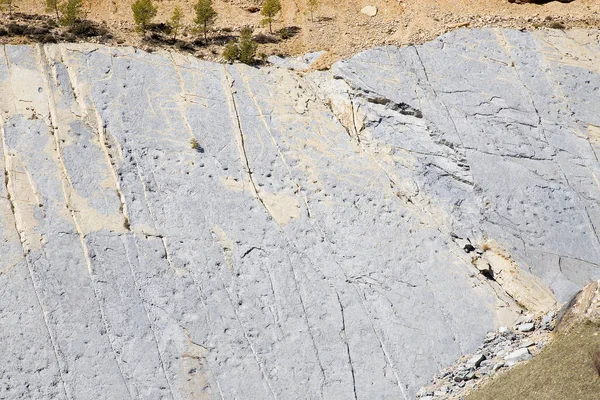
(177, 228)
(341, 29)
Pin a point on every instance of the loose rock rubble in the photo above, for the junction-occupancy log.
(500, 351)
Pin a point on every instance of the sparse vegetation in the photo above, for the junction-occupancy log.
(205, 15)
(52, 6)
(7, 4)
(596, 360)
(231, 52)
(72, 11)
(176, 21)
(284, 33)
(248, 46)
(269, 10)
(143, 13)
(312, 6)
(195, 145)
(556, 25)
(265, 38)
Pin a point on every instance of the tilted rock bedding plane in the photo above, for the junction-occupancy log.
(339, 234)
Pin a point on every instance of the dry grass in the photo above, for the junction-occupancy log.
(563, 370)
(596, 361)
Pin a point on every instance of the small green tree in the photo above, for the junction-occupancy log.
(248, 46)
(312, 6)
(7, 4)
(71, 11)
(269, 10)
(231, 52)
(143, 12)
(205, 15)
(52, 6)
(176, 19)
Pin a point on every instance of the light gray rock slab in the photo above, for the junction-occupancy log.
(517, 356)
(369, 11)
(474, 361)
(495, 123)
(526, 327)
(308, 247)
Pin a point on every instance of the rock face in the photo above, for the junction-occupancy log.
(322, 241)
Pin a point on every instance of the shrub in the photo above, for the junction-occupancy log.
(269, 9)
(248, 46)
(312, 6)
(205, 15)
(88, 29)
(143, 12)
(7, 4)
(263, 39)
(195, 145)
(72, 11)
(284, 33)
(556, 25)
(175, 22)
(231, 52)
(15, 29)
(52, 6)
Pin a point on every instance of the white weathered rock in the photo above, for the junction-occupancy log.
(475, 361)
(526, 327)
(516, 356)
(527, 343)
(369, 11)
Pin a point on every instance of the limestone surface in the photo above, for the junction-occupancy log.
(325, 238)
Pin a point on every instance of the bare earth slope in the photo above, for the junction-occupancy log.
(340, 28)
(326, 238)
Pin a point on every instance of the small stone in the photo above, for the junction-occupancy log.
(489, 337)
(369, 11)
(527, 343)
(517, 356)
(439, 393)
(475, 361)
(503, 330)
(423, 393)
(547, 320)
(469, 376)
(483, 266)
(498, 366)
(461, 384)
(526, 327)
